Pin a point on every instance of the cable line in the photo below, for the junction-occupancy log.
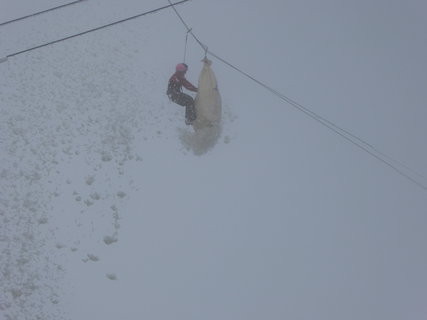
(353, 139)
(88, 31)
(362, 144)
(40, 12)
(189, 30)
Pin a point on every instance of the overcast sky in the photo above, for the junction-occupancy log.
(107, 213)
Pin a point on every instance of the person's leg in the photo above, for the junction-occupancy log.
(190, 112)
(185, 100)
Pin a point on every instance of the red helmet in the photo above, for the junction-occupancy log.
(181, 67)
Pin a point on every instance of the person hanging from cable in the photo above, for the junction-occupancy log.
(174, 92)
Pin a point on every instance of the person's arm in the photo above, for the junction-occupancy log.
(188, 85)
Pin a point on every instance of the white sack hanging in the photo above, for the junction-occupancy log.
(208, 99)
(207, 125)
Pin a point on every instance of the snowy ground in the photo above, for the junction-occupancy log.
(107, 211)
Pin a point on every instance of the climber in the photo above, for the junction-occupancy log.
(174, 92)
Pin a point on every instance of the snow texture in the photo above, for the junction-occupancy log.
(67, 134)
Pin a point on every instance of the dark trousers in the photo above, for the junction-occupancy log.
(186, 101)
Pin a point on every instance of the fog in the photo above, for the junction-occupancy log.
(107, 210)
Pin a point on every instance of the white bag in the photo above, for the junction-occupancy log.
(208, 99)
(207, 125)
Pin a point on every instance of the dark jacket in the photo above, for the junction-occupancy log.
(177, 81)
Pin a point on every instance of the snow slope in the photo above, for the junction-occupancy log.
(107, 212)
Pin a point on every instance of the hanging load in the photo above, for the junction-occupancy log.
(208, 99)
(207, 126)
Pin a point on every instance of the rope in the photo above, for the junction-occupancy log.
(40, 12)
(185, 47)
(91, 30)
(189, 30)
(353, 139)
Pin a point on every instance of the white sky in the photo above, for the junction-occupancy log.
(285, 221)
